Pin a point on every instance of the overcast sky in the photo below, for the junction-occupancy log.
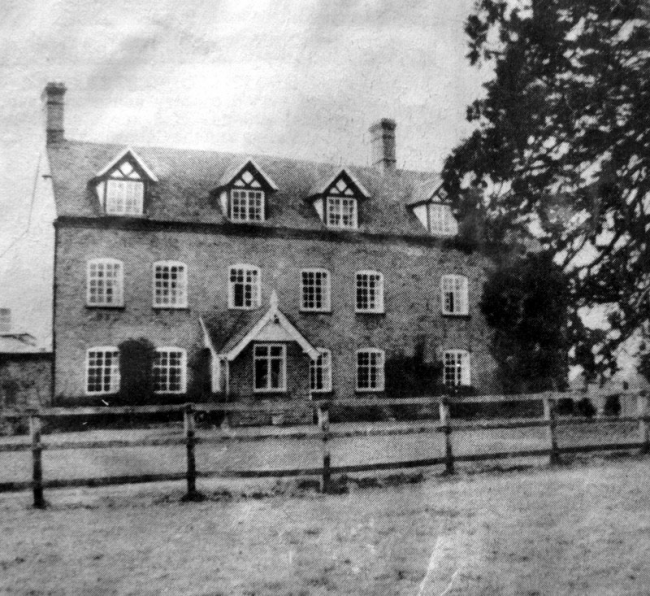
(298, 78)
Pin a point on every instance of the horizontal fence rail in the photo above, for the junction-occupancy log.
(323, 432)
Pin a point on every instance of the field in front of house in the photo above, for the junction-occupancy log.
(579, 529)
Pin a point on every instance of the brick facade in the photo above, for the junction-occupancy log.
(412, 320)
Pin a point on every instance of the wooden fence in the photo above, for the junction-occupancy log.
(324, 432)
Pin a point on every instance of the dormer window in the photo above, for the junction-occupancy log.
(124, 192)
(342, 213)
(441, 220)
(336, 200)
(121, 185)
(244, 192)
(246, 205)
(432, 209)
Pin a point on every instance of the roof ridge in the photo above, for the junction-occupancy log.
(243, 156)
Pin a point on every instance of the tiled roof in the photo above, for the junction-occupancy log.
(187, 177)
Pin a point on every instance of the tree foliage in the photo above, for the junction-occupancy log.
(561, 149)
(525, 302)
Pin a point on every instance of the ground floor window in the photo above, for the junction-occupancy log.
(320, 372)
(370, 370)
(102, 370)
(270, 367)
(169, 370)
(456, 368)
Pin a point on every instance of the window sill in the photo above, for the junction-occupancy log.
(313, 311)
(456, 315)
(155, 307)
(268, 391)
(369, 312)
(357, 390)
(244, 307)
(106, 306)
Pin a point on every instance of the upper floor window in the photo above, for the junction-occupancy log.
(102, 370)
(370, 369)
(369, 292)
(315, 290)
(441, 220)
(456, 368)
(247, 205)
(342, 213)
(104, 284)
(121, 184)
(169, 368)
(455, 298)
(320, 372)
(244, 287)
(169, 284)
(270, 367)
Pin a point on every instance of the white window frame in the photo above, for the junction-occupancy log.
(249, 198)
(457, 286)
(380, 366)
(113, 370)
(445, 224)
(256, 292)
(378, 306)
(180, 295)
(183, 370)
(325, 368)
(124, 197)
(117, 285)
(326, 298)
(460, 361)
(267, 357)
(340, 203)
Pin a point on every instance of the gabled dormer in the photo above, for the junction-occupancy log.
(432, 207)
(122, 185)
(244, 191)
(336, 200)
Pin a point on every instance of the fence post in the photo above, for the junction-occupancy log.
(37, 460)
(446, 426)
(190, 442)
(642, 412)
(324, 424)
(549, 415)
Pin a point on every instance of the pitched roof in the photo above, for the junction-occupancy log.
(186, 179)
(228, 336)
(423, 192)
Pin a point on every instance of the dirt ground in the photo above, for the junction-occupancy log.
(578, 529)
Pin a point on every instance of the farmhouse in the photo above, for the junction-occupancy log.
(256, 277)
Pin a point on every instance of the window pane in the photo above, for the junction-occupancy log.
(244, 287)
(124, 197)
(247, 205)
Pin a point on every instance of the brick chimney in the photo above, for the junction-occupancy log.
(53, 104)
(383, 145)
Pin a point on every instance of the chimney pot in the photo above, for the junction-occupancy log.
(53, 104)
(383, 145)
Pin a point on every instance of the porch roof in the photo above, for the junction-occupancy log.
(273, 325)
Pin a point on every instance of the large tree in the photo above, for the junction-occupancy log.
(561, 150)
